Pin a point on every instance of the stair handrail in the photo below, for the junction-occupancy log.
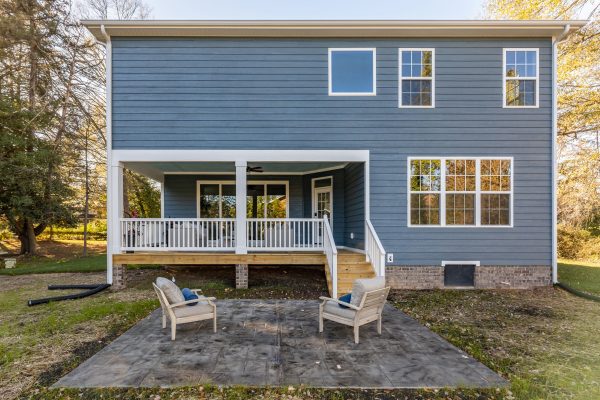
(331, 253)
(374, 250)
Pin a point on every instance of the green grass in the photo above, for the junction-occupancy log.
(95, 263)
(544, 341)
(584, 276)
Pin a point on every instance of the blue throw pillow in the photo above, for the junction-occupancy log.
(189, 295)
(346, 299)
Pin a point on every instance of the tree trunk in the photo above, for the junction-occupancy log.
(27, 239)
(126, 211)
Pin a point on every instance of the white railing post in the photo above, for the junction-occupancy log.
(240, 207)
(330, 251)
(375, 253)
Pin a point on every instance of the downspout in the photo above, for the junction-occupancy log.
(110, 192)
(555, 42)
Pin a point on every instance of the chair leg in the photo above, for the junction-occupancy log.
(164, 321)
(173, 329)
(356, 334)
(379, 325)
(215, 323)
(320, 322)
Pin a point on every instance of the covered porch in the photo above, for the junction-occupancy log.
(293, 207)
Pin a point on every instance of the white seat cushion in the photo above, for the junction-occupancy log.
(361, 286)
(331, 307)
(188, 311)
(171, 291)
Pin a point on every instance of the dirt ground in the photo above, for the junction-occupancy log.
(55, 249)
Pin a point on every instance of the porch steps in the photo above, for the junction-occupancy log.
(351, 266)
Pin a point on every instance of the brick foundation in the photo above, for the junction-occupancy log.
(119, 273)
(512, 276)
(241, 276)
(486, 277)
(414, 277)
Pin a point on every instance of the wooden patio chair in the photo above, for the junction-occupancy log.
(368, 298)
(181, 312)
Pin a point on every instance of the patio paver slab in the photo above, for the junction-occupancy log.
(276, 343)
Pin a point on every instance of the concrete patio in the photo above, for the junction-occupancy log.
(276, 343)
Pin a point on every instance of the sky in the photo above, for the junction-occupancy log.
(316, 9)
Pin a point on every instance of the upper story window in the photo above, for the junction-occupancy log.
(460, 192)
(352, 72)
(521, 77)
(417, 77)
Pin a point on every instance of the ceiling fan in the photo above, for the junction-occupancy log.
(254, 169)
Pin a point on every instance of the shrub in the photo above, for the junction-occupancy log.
(577, 244)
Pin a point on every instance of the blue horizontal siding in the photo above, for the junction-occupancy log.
(186, 93)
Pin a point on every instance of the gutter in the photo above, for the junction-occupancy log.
(555, 42)
(110, 192)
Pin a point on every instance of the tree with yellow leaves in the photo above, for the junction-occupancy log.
(578, 81)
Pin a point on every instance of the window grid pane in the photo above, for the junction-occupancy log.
(460, 179)
(416, 78)
(457, 195)
(520, 78)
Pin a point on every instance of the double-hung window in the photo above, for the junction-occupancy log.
(460, 192)
(521, 78)
(352, 72)
(417, 77)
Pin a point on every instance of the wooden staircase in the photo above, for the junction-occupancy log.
(351, 266)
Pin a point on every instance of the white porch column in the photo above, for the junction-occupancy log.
(114, 201)
(240, 207)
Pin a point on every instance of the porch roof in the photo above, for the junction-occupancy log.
(157, 169)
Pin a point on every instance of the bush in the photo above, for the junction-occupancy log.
(577, 244)
(96, 231)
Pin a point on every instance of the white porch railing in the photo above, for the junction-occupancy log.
(374, 250)
(284, 234)
(331, 252)
(218, 234)
(177, 234)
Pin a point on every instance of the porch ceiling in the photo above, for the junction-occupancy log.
(156, 170)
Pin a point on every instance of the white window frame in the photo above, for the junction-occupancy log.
(221, 183)
(412, 78)
(537, 76)
(371, 49)
(478, 192)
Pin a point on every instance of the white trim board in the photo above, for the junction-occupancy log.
(170, 155)
(475, 263)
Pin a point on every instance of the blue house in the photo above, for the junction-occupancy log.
(422, 151)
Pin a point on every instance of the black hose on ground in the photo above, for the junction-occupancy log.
(91, 289)
(578, 292)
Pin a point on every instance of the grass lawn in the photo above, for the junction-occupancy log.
(544, 341)
(581, 275)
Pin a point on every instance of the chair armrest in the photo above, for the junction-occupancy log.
(352, 306)
(183, 303)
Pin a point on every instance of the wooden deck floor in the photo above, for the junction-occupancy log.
(192, 258)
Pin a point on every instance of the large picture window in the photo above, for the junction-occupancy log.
(352, 72)
(521, 77)
(417, 77)
(460, 192)
(216, 199)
